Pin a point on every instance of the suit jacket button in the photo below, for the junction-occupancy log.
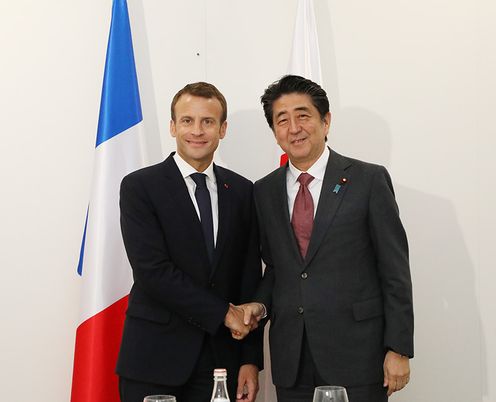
(304, 275)
(212, 285)
(300, 310)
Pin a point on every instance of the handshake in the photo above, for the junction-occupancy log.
(243, 318)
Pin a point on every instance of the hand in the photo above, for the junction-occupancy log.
(396, 371)
(247, 383)
(234, 321)
(253, 313)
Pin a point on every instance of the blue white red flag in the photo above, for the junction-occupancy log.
(103, 265)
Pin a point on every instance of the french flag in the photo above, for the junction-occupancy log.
(103, 264)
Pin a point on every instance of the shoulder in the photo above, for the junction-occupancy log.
(239, 187)
(369, 177)
(358, 168)
(357, 164)
(273, 177)
(231, 177)
(145, 174)
(153, 177)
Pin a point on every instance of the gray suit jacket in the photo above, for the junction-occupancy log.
(352, 293)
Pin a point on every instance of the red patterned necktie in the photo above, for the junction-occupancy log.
(302, 219)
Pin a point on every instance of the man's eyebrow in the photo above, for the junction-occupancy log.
(298, 109)
(302, 109)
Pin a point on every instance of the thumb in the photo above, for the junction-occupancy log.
(247, 315)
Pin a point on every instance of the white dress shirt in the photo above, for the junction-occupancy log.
(317, 170)
(186, 171)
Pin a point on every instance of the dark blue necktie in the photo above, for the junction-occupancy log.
(205, 206)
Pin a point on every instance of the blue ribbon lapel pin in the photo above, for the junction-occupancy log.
(337, 187)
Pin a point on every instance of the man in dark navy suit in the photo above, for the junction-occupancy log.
(190, 233)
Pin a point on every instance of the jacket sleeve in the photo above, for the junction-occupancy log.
(391, 249)
(264, 292)
(252, 349)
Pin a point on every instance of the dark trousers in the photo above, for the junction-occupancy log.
(308, 378)
(198, 388)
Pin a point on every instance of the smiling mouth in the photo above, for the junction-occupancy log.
(298, 141)
(196, 143)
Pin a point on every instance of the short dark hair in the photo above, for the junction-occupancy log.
(203, 90)
(294, 84)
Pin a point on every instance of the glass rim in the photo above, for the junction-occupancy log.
(330, 387)
(161, 397)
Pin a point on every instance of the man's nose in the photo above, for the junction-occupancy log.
(197, 128)
(294, 126)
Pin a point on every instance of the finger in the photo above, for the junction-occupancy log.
(253, 325)
(404, 381)
(252, 391)
(239, 391)
(390, 391)
(388, 382)
(236, 335)
(392, 387)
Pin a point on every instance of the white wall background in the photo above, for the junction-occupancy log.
(412, 85)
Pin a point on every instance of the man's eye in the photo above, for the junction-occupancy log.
(186, 121)
(282, 122)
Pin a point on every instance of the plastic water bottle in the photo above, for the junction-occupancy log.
(219, 393)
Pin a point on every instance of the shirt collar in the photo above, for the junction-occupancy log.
(317, 170)
(187, 170)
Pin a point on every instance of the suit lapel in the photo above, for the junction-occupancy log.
(177, 189)
(224, 201)
(279, 207)
(329, 200)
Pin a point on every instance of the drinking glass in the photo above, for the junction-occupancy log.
(160, 398)
(330, 393)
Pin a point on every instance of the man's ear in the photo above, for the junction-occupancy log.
(223, 129)
(172, 128)
(327, 122)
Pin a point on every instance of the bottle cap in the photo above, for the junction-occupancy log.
(220, 372)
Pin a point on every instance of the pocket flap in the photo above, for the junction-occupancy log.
(368, 309)
(149, 313)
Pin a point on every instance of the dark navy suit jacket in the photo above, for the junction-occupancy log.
(178, 296)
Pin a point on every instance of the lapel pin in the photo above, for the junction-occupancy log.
(226, 185)
(337, 187)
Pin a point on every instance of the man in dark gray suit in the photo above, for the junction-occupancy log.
(337, 285)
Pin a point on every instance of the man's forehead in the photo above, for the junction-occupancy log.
(293, 101)
(191, 99)
(187, 104)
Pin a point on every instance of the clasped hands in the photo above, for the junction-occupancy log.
(243, 318)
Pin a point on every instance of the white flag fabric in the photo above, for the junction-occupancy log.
(305, 54)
